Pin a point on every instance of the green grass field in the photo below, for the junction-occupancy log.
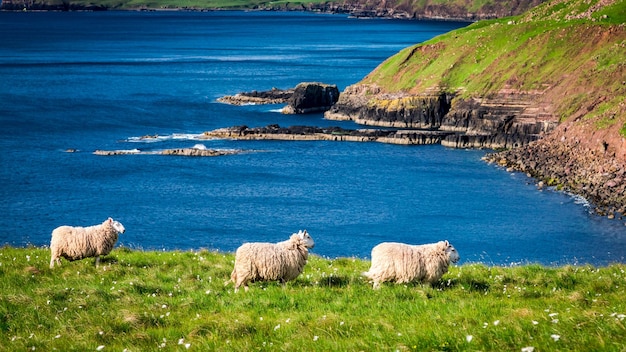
(163, 301)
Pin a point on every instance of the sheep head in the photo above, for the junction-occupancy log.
(451, 252)
(306, 239)
(117, 226)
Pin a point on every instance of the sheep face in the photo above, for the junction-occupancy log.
(306, 239)
(452, 253)
(117, 226)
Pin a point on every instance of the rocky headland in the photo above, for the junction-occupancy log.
(548, 87)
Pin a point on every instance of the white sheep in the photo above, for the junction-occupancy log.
(403, 263)
(74, 243)
(282, 261)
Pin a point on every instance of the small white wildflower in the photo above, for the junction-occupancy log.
(341, 323)
(469, 338)
(58, 336)
(187, 345)
(528, 349)
(554, 321)
(207, 292)
(485, 325)
(101, 332)
(276, 327)
(496, 322)
(164, 306)
(315, 338)
(552, 315)
(181, 341)
(535, 322)
(260, 318)
(48, 302)
(100, 348)
(288, 320)
(555, 337)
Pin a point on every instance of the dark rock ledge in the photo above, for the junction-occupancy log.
(309, 133)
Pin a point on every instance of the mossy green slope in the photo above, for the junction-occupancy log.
(572, 51)
(177, 301)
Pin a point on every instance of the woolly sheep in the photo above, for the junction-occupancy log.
(282, 261)
(74, 243)
(403, 263)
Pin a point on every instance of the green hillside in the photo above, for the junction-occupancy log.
(574, 52)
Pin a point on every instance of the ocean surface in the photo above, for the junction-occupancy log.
(99, 81)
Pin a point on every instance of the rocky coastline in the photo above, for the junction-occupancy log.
(519, 124)
(568, 162)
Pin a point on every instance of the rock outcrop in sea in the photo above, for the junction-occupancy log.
(305, 98)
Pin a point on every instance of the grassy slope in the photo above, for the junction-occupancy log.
(146, 300)
(578, 63)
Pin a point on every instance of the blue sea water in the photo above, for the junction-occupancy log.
(89, 81)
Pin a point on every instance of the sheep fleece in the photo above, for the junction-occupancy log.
(281, 261)
(74, 243)
(405, 263)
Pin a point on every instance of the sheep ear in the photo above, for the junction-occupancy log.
(301, 234)
(110, 220)
(447, 243)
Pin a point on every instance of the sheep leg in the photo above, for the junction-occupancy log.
(53, 260)
(97, 261)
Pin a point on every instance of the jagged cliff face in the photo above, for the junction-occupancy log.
(505, 120)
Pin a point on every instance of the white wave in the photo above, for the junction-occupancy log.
(276, 110)
(161, 138)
